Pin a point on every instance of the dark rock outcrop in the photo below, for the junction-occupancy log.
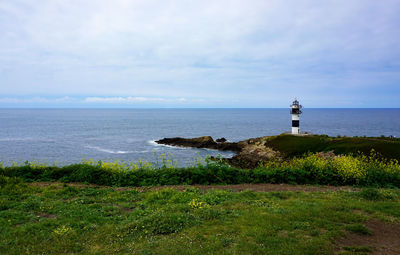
(221, 140)
(200, 142)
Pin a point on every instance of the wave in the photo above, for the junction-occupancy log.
(25, 139)
(223, 153)
(144, 151)
(108, 150)
(153, 143)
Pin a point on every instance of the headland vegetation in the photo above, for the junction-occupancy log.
(318, 160)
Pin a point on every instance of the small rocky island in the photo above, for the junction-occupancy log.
(251, 152)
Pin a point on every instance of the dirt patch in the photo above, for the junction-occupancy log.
(268, 187)
(59, 185)
(127, 210)
(385, 238)
(264, 187)
(46, 215)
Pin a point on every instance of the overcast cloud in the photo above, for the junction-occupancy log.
(252, 53)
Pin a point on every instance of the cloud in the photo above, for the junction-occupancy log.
(256, 52)
(16, 100)
(111, 100)
(130, 100)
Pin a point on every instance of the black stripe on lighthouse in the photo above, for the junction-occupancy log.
(295, 123)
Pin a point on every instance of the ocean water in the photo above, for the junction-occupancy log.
(66, 136)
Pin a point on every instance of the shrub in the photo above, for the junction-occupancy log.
(370, 194)
(312, 168)
(13, 185)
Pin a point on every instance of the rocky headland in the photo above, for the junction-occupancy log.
(249, 153)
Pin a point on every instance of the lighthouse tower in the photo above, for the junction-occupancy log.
(295, 111)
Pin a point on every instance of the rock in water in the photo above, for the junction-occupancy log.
(200, 142)
(221, 140)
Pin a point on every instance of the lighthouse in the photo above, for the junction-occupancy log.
(295, 111)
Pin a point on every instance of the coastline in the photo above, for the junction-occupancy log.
(254, 151)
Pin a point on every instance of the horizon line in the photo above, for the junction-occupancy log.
(177, 108)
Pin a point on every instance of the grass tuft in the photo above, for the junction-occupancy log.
(357, 250)
(359, 229)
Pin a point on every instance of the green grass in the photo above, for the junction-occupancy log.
(356, 250)
(359, 229)
(62, 219)
(292, 146)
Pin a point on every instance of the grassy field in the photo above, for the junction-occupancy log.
(65, 219)
(291, 145)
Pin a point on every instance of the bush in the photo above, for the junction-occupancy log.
(375, 194)
(312, 168)
(12, 185)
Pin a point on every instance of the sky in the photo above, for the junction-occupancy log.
(208, 53)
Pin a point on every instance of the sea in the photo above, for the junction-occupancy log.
(65, 136)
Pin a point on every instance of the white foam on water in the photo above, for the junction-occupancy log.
(108, 150)
(144, 151)
(229, 155)
(223, 153)
(25, 139)
(153, 143)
